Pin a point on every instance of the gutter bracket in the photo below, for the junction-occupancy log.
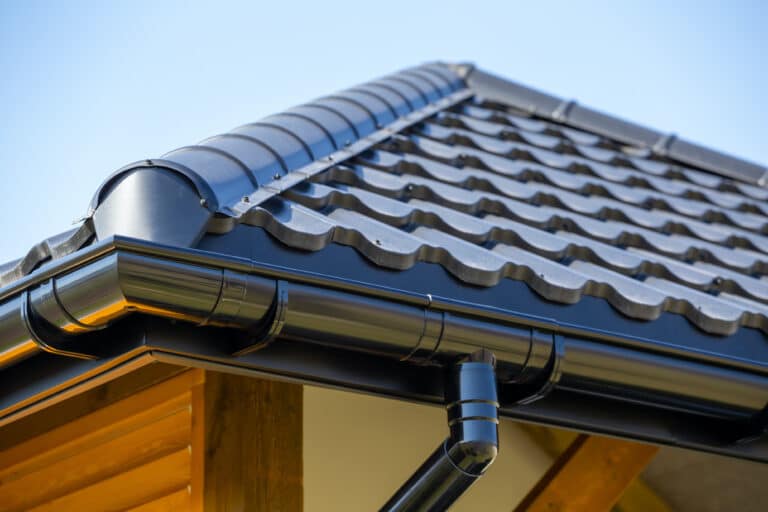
(264, 333)
(473, 418)
(526, 393)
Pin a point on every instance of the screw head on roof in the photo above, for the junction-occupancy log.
(246, 199)
(277, 176)
(203, 202)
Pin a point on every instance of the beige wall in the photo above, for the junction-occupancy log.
(359, 449)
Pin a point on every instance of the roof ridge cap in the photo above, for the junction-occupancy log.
(229, 174)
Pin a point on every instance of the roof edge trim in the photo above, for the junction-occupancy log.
(571, 113)
(243, 300)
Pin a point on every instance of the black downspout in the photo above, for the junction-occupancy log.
(472, 406)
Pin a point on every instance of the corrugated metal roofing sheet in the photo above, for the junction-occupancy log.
(490, 193)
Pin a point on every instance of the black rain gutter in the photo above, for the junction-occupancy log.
(571, 113)
(119, 277)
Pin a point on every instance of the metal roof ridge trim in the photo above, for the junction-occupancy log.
(570, 112)
(258, 160)
(175, 198)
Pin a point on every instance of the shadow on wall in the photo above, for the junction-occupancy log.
(358, 450)
(701, 482)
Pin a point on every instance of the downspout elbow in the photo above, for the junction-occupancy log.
(473, 413)
(473, 457)
(472, 446)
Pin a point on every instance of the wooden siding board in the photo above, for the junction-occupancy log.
(128, 489)
(24, 488)
(177, 501)
(197, 441)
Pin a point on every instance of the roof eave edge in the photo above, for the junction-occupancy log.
(134, 276)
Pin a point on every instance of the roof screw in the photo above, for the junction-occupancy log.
(203, 202)
(277, 176)
(149, 162)
(347, 142)
(246, 199)
(378, 242)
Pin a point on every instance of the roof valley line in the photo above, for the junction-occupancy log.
(149, 260)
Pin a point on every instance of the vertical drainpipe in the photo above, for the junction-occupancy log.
(471, 447)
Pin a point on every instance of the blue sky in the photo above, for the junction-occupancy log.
(87, 87)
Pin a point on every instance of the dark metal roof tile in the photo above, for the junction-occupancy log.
(440, 69)
(628, 295)
(49, 249)
(444, 86)
(292, 149)
(397, 103)
(338, 126)
(459, 252)
(227, 175)
(587, 184)
(704, 310)
(551, 280)
(362, 121)
(430, 89)
(314, 136)
(377, 108)
(414, 96)
(746, 284)
(262, 161)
